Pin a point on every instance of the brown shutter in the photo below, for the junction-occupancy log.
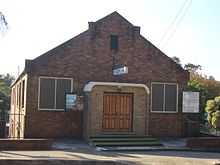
(63, 87)
(47, 93)
(157, 97)
(170, 97)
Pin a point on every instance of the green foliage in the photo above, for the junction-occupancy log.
(192, 67)
(8, 79)
(213, 110)
(176, 60)
(209, 118)
(196, 86)
(208, 88)
(4, 89)
(210, 106)
(210, 84)
(217, 101)
(5, 82)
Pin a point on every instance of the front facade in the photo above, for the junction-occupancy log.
(71, 90)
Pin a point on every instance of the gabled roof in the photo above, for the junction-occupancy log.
(110, 16)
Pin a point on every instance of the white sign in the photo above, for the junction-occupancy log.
(191, 102)
(120, 71)
(70, 100)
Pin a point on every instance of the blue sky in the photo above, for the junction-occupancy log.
(37, 26)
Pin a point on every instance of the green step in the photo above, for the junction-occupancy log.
(102, 144)
(119, 139)
(119, 136)
(116, 140)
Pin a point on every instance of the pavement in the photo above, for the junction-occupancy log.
(78, 150)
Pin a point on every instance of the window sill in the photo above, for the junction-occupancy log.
(52, 110)
(164, 111)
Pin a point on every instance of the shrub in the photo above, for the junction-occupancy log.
(213, 110)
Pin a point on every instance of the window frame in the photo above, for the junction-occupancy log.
(55, 79)
(164, 94)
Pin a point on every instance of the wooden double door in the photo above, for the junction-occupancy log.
(117, 112)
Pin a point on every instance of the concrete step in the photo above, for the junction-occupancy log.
(104, 144)
(119, 136)
(123, 140)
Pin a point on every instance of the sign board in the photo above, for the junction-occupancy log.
(120, 71)
(190, 102)
(70, 100)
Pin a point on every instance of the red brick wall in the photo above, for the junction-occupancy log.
(46, 124)
(25, 144)
(165, 124)
(88, 57)
(49, 124)
(204, 142)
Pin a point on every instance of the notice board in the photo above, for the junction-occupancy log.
(190, 102)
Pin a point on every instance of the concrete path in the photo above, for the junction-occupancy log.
(78, 150)
(144, 158)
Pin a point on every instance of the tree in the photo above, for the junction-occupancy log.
(211, 78)
(4, 89)
(3, 23)
(5, 82)
(176, 60)
(196, 86)
(8, 79)
(213, 110)
(212, 86)
(192, 67)
(208, 88)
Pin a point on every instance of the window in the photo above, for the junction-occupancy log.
(114, 42)
(17, 100)
(170, 97)
(157, 97)
(47, 93)
(22, 100)
(63, 87)
(19, 95)
(164, 97)
(52, 93)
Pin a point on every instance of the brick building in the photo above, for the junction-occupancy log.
(71, 90)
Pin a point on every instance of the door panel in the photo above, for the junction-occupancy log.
(117, 112)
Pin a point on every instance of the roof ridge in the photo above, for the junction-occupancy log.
(113, 14)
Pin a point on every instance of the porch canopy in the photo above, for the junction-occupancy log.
(89, 86)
